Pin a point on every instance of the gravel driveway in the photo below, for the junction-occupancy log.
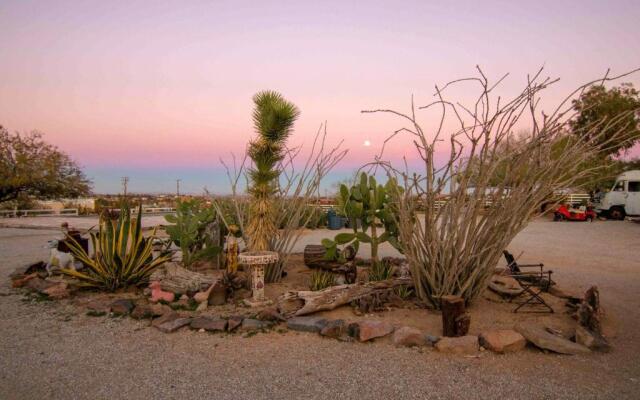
(48, 351)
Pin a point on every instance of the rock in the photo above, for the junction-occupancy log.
(543, 339)
(432, 339)
(234, 322)
(145, 311)
(99, 305)
(368, 330)
(503, 341)
(209, 324)
(22, 280)
(166, 317)
(269, 314)
(505, 285)
(407, 337)
(122, 307)
(28, 269)
(307, 324)
(173, 325)
(218, 295)
(462, 345)
(334, 329)
(58, 291)
(591, 339)
(38, 284)
(250, 324)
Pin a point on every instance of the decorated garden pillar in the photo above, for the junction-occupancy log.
(257, 261)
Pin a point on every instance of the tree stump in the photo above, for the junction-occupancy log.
(455, 321)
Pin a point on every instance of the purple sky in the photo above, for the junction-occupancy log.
(161, 90)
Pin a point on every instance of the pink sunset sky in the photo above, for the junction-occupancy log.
(161, 90)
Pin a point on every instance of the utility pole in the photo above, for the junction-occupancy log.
(125, 182)
(178, 187)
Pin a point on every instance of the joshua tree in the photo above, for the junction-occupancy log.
(273, 118)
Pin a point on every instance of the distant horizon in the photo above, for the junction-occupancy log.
(159, 92)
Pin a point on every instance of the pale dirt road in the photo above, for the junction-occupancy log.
(48, 351)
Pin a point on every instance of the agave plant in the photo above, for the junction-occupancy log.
(122, 254)
(273, 118)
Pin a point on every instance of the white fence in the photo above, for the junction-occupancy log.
(38, 213)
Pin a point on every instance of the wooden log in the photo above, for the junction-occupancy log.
(314, 257)
(452, 308)
(176, 279)
(308, 302)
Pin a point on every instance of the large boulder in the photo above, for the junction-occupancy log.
(503, 341)
(463, 345)
(407, 337)
(542, 338)
(368, 330)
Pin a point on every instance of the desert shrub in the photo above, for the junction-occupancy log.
(321, 280)
(380, 271)
(122, 254)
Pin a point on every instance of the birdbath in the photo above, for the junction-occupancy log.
(257, 261)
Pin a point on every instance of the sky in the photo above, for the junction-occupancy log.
(161, 90)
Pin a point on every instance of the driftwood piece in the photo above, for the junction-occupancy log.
(176, 279)
(308, 302)
(455, 322)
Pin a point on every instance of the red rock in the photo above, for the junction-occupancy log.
(407, 336)
(334, 329)
(368, 330)
(57, 291)
(463, 345)
(173, 325)
(21, 280)
(503, 341)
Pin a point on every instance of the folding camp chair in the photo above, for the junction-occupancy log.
(533, 283)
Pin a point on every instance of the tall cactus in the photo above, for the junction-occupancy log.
(368, 203)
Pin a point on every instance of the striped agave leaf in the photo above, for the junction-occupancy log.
(122, 255)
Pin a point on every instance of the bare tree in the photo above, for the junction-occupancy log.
(489, 195)
(297, 186)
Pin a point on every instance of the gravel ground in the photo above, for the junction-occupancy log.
(48, 351)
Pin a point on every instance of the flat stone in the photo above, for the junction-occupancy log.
(58, 291)
(145, 311)
(408, 337)
(543, 339)
(505, 285)
(234, 322)
(99, 305)
(334, 329)
(122, 307)
(21, 280)
(173, 325)
(503, 341)
(591, 340)
(307, 324)
(38, 284)
(250, 324)
(209, 324)
(463, 345)
(166, 317)
(368, 330)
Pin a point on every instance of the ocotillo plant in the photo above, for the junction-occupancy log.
(273, 118)
(366, 204)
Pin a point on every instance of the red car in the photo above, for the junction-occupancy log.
(564, 212)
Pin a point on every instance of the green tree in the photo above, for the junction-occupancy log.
(273, 119)
(610, 110)
(31, 167)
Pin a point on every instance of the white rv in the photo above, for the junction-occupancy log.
(623, 199)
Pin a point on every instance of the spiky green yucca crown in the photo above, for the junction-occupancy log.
(273, 119)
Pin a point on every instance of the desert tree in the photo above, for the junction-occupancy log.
(489, 194)
(32, 167)
(297, 178)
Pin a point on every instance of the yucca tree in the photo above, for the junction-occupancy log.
(273, 119)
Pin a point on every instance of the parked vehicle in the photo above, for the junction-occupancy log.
(567, 213)
(623, 199)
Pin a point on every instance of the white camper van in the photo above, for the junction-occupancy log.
(623, 199)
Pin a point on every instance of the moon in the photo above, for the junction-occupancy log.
(367, 143)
